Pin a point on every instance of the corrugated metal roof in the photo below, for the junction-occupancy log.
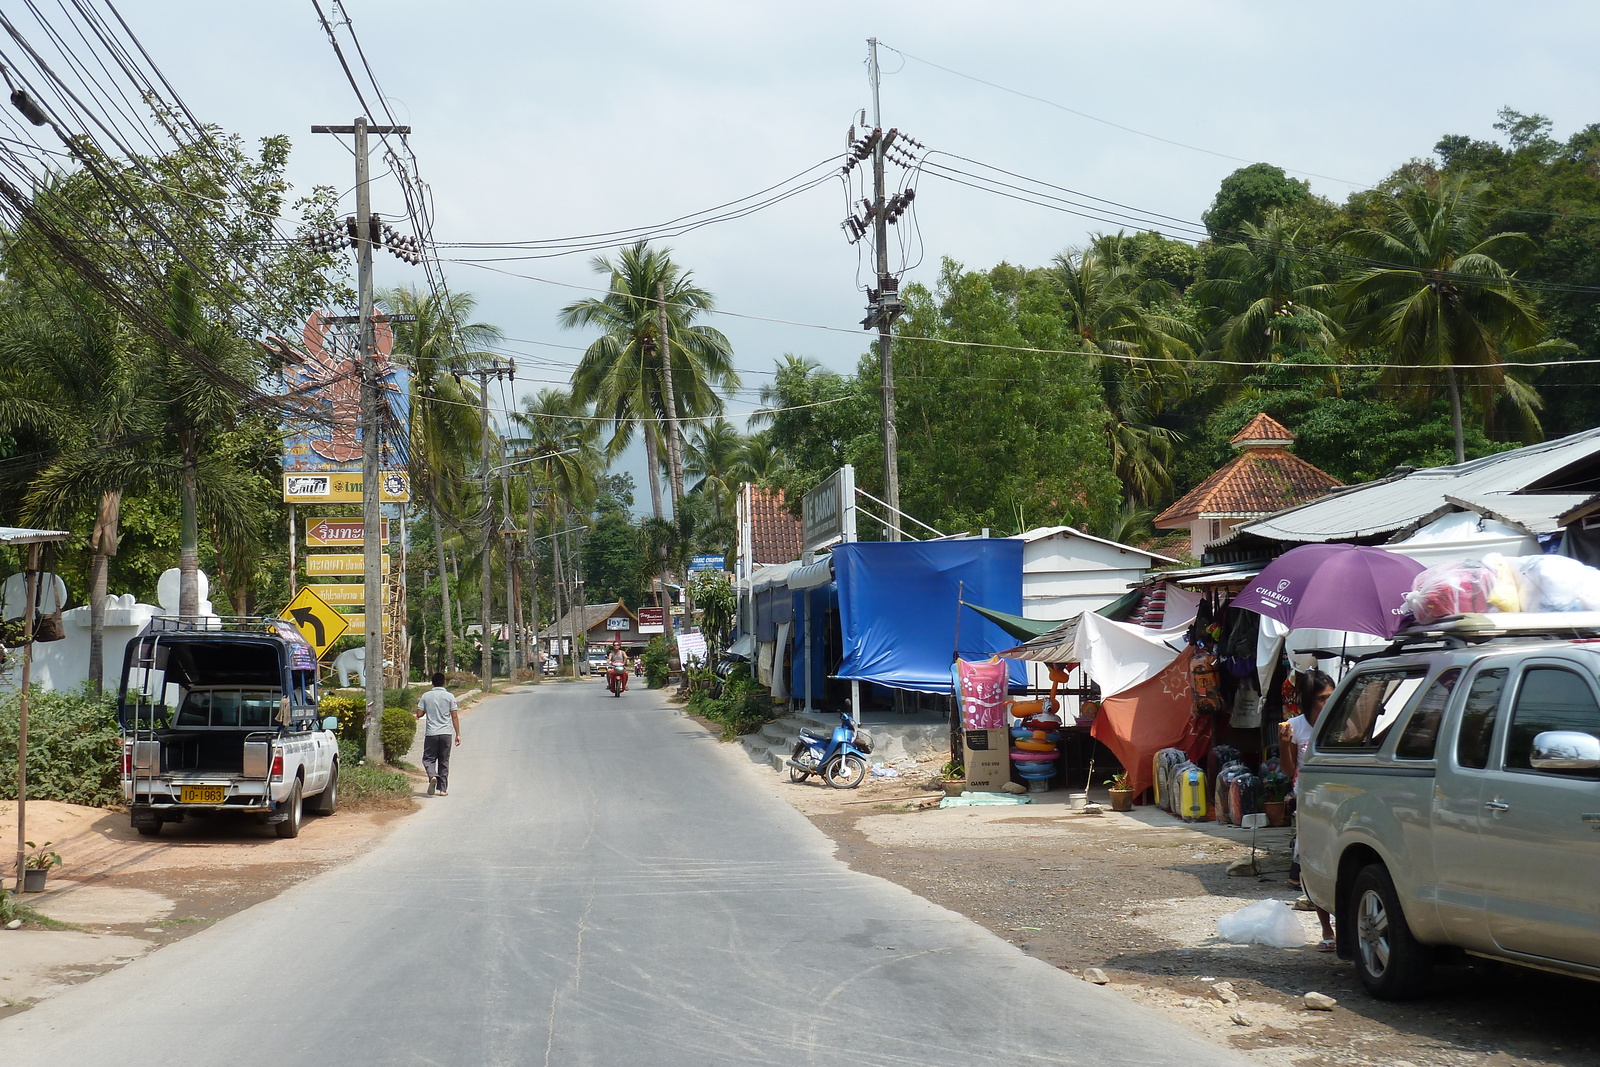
(1536, 513)
(1393, 504)
(17, 535)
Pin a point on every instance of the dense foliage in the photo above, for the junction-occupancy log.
(74, 754)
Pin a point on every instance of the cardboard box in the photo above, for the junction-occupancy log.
(986, 754)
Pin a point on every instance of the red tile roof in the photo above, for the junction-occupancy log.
(1263, 428)
(774, 532)
(1258, 481)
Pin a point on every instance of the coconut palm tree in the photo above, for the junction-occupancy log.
(560, 439)
(1265, 293)
(713, 457)
(1441, 296)
(621, 371)
(758, 458)
(1136, 351)
(445, 427)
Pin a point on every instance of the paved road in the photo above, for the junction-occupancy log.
(602, 886)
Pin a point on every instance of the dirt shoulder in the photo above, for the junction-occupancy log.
(1138, 896)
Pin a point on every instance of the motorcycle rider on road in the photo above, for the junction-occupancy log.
(618, 661)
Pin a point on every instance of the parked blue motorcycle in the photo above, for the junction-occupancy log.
(841, 760)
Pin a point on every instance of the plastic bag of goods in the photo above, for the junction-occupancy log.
(1454, 588)
(1266, 922)
(1557, 583)
(983, 693)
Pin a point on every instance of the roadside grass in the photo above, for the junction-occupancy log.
(10, 911)
(367, 788)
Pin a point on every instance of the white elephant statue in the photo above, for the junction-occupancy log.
(351, 661)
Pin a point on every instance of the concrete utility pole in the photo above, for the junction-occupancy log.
(674, 443)
(371, 492)
(883, 297)
(496, 371)
(509, 549)
(533, 583)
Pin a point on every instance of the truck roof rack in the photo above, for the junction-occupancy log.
(1475, 628)
(256, 624)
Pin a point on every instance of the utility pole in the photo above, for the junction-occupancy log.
(533, 582)
(674, 444)
(366, 235)
(886, 294)
(496, 370)
(509, 550)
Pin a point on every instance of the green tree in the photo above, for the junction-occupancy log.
(1263, 291)
(712, 458)
(1247, 194)
(1137, 348)
(445, 429)
(1445, 299)
(620, 372)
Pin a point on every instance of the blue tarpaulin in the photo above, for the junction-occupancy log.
(898, 602)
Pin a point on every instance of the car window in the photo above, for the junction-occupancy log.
(1478, 718)
(1422, 729)
(1367, 708)
(1549, 698)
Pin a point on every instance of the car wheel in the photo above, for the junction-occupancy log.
(1391, 963)
(328, 799)
(294, 813)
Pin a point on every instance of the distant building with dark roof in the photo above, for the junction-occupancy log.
(773, 532)
(1264, 478)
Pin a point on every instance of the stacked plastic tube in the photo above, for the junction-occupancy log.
(1034, 741)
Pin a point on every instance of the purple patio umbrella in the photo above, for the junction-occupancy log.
(1333, 587)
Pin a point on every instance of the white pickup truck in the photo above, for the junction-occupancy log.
(221, 716)
(1451, 800)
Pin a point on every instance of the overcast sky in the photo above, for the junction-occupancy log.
(539, 120)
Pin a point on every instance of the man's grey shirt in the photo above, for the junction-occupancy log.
(437, 704)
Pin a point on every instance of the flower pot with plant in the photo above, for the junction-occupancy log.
(1121, 792)
(952, 779)
(36, 864)
(1274, 789)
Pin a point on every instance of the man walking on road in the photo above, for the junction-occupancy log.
(443, 722)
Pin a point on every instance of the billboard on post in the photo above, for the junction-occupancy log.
(828, 512)
(322, 435)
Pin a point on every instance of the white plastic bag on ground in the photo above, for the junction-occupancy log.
(1266, 922)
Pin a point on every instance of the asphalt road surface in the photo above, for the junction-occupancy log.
(601, 886)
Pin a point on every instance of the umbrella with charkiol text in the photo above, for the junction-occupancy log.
(1333, 587)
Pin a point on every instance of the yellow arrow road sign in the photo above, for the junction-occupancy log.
(318, 623)
(336, 533)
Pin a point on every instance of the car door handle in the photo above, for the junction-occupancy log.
(1497, 805)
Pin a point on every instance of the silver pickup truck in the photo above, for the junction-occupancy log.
(1451, 800)
(220, 715)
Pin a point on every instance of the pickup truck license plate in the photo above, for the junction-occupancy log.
(203, 794)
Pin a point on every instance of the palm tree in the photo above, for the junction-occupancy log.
(1441, 296)
(445, 427)
(1135, 351)
(713, 457)
(71, 375)
(559, 438)
(621, 371)
(198, 406)
(1266, 294)
(758, 458)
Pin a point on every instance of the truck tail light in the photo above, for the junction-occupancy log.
(277, 766)
(127, 763)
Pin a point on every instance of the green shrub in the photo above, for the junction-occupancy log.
(657, 662)
(351, 711)
(399, 729)
(74, 750)
(737, 703)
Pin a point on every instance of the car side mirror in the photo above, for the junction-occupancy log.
(331, 723)
(1565, 750)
